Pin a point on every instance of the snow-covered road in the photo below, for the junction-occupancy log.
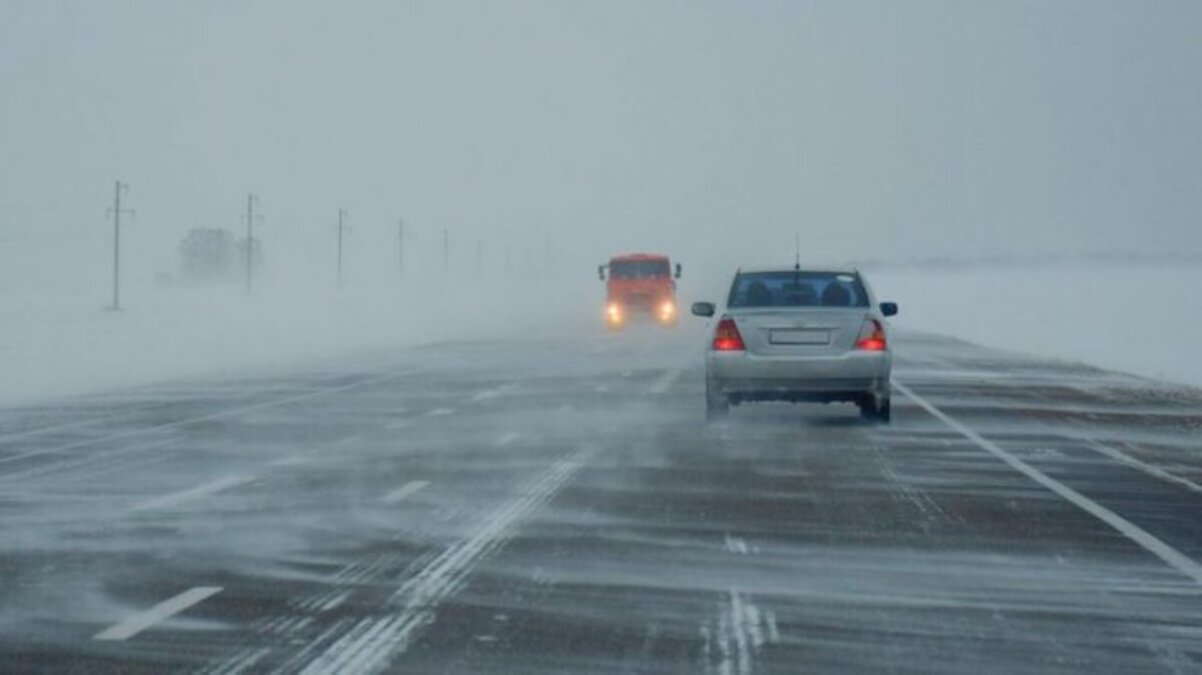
(550, 505)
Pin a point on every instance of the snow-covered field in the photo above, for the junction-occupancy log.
(1143, 319)
(57, 344)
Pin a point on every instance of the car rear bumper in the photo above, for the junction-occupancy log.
(742, 377)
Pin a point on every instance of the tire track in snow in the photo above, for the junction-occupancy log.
(283, 632)
(372, 643)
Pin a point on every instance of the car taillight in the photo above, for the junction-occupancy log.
(872, 337)
(727, 338)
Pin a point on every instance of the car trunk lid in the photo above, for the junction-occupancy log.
(799, 331)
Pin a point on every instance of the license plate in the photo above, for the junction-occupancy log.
(799, 337)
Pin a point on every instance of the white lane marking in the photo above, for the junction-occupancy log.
(295, 460)
(773, 631)
(183, 496)
(439, 412)
(399, 424)
(404, 491)
(493, 393)
(740, 633)
(165, 609)
(507, 439)
(203, 418)
(1141, 465)
(664, 383)
(372, 643)
(1135, 533)
(349, 440)
(242, 662)
(736, 545)
(334, 601)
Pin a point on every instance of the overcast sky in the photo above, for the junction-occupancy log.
(871, 128)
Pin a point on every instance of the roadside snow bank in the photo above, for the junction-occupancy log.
(1139, 318)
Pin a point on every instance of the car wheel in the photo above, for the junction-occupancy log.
(867, 407)
(876, 409)
(884, 410)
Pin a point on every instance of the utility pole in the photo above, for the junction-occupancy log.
(250, 219)
(117, 211)
(341, 216)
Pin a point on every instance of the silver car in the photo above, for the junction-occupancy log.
(799, 335)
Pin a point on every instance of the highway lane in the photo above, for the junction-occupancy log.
(559, 505)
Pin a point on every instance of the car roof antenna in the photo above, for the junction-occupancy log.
(796, 259)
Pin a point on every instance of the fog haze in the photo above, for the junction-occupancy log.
(871, 129)
(330, 448)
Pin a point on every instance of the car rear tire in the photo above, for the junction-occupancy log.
(876, 409)
(867, 406)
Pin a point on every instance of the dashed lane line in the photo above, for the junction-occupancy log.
(293, 460)
(495, 392)
(507, 439)
(184, 496)
(1171, 556)
(166, 609)
(404, 491)
(439, 412)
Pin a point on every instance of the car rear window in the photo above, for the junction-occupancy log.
(797, 289)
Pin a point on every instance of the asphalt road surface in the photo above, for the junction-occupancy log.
(554, 505)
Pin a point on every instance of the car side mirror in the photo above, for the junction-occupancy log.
(889, 308)
(601, 272)
(677, 270)
(703, 309)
